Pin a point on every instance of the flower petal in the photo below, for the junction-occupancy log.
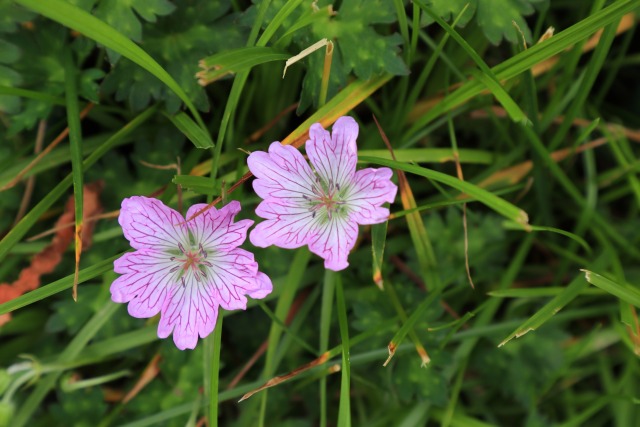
(148, 223)
(286, 226)
(264, 287)
(189, 312)
(369, 190)
(334, 242)
(233, 276)
(145, 283)
(215, 229)
(282, 173)
(334, 157)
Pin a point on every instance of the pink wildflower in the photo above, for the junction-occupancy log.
(322, 205)
(185, 270)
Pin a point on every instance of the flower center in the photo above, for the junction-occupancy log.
(191, 261)
(327, 200)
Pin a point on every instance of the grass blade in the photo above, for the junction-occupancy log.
(514, 226)
(486, 76)
(236, 61)
(328, 289)
(75, 142)
(25, 93)
(344, 409)
(549, 310)
(624, 291)
(378, 240)
(197, 135)
(490, 200)
(408, 325)
(529, 58)
(58, 286)
(212, 363)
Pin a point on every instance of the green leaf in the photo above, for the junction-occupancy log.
(449, 9)
(120, 15)
(9, 78)
(496, 17)
(178, 42)
(195, 134)
(92, 27)
(11, 16)
(197, 184)
(237, 60)
(362, 49)
(89, 87)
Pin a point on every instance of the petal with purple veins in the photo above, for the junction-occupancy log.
(334, 156)
(368, 191)
(215, 228)
(145, 281)
(285, 226)
(233, 276)
(189, 312)
(282, 173)
(148, 223)
(334, 242)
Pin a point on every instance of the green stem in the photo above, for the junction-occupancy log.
(344, 410)
(328, 291)
(214, 371)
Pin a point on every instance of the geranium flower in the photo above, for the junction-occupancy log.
(319, 205)
(185, 270)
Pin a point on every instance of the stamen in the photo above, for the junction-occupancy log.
(174, 269)
(184, 285)
(207, 263)
(203, 253)
(182, 248)
(337, 186)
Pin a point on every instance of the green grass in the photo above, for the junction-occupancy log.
(548, 335)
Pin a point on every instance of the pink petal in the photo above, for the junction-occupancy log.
(370, 189)
(283, 173)
(233, 276)
(145, 281)
(286, 226)
(215, 229)
(148, 223)
(264, 286)
(334, 242)
(190, 312)
(334, 157)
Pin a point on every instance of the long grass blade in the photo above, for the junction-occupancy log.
(492, 201)
(75, 141)
(624, 291)
(344, 408)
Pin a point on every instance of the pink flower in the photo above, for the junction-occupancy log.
(319, 205)
(185, 270)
